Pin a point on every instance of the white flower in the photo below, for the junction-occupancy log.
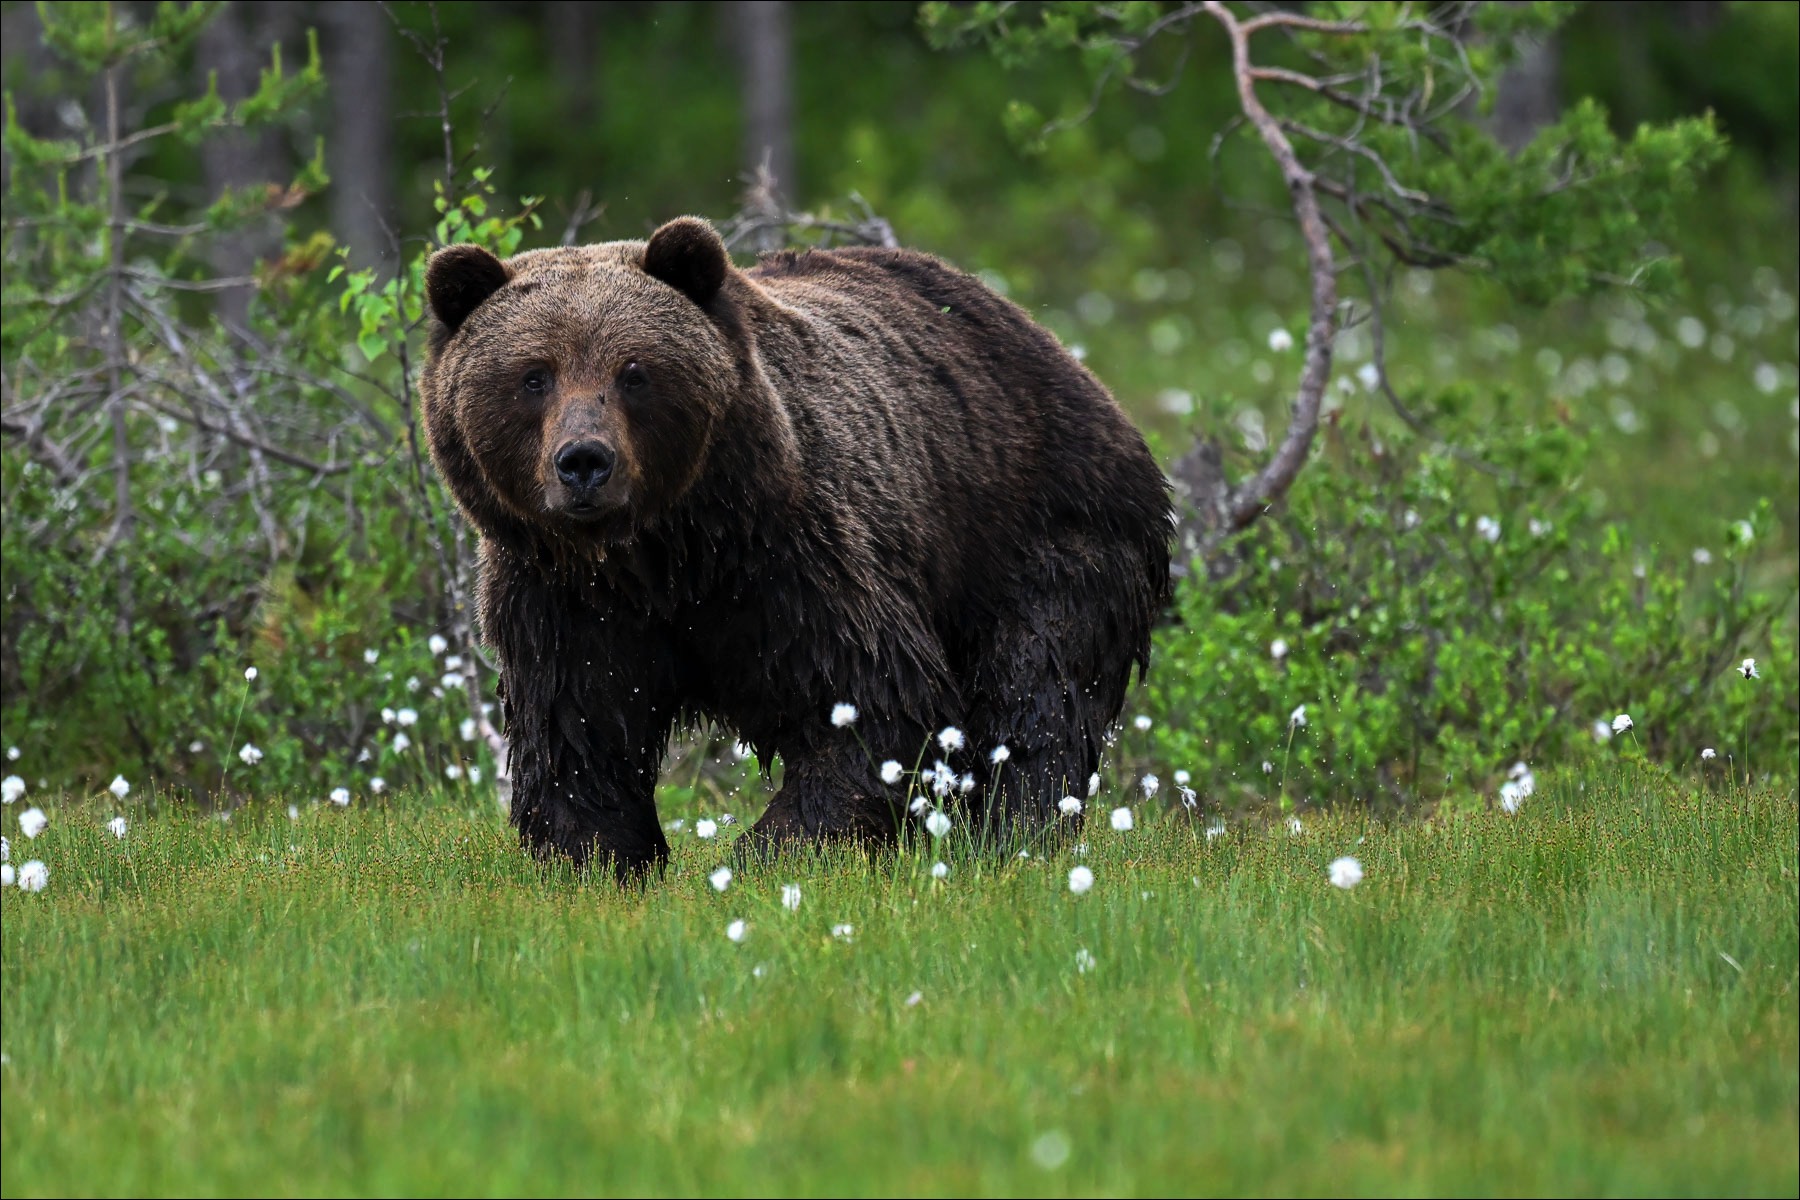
(468, 729)
(387, 716)
(999, 754)
(1488, 528)
(33, 821)
(401, 743)
(293, 812)
(474, 774)
(940, 870)
(1278, 649)
(116, 827)
(453, 663)
(1121, 819)
(951, 738)
(1189, 798)
(1294, 826)
(249, 674)
(34, 876)
(412, 683)
(912, 1001)
(1537, 528)
(1511, 795)
(1369, 375)
(119, 787)
(918, 806)
(891, 771)
(1093, 784)
(370, 656)
(706, 827)
(1346, 873)
(1702, 556)
(455, 679)
(843, 931)
(937, 824)
(196, 746)
(966, 784)
(1080, 880)
(720, 879)
(1268, 767)
(340, 796)
(453, 771)
(1215, 829)
(1297, 718)
(1602, 731)
(407, 716)
(11, 788)
(1708, 754)
(1141, 723)
(1621, 723)
(7, 875)
(790, 897)
(1084, 961)
(1747, 669)
(1149, 783)
(942, 778)
(438, 644)
(378, 785)
(737, 931)
(1182, 779)
(5, 850)
(1743, 532)
(12, 754)
(843, 714)
(250, 754)
(1280, 341)
(1068, 806)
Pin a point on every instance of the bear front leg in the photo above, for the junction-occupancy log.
(588, 702)
(829, 797)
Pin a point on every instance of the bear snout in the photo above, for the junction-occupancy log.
(584, 467)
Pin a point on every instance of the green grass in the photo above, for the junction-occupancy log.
(1597, 995)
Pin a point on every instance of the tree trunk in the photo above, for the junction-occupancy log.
(357, 48)
(1528, 95)
(762, 40)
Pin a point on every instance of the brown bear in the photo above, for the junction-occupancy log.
(852, 477)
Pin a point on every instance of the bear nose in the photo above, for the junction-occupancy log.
(584, 466)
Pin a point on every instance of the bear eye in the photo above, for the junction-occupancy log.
(633, 379)
(536, 381)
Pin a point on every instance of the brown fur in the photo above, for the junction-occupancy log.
(840, 476)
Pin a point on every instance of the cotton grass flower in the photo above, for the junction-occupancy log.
(118, 787)
(5, 850)
(12, 754)
(453, 771)
(1182, 779)
(737, 931)
(1081, 880)
(1093, 785)
(402, 743)
(407, 716)
(249, 674)
(11, 788)
(371, 656)
(999, 754)
(951, 739)
(378, 785)
(937, 824)
(116, 827)
(1068, 806)
(1747, 669)
(250, 754)
(720, 879)
(1280, 341)
(843, 715)
(1141, 723)
(468, 729)
(843, 931)
(34, 876)
(8, 876)
(340, 797)
(1621, 723)
(1121, 819)
(1708, 754)
(1278, 649)
(387, 716)
(1602, 731)
(1346, 873)
(790, 897)
(1084, 961)
(918, 806)
(891, 772)
(1150, 784)
(1297, 718)
(437, 644)
(33, 822)
(1511, 796)
(940, 870)
(1487, 528)
(706, 828)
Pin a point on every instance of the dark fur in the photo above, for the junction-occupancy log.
(853, 475)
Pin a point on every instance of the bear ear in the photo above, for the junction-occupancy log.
(459, 279)
(688, 255)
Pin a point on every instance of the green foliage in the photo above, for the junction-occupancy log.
(1594, 997)
(1437, 631)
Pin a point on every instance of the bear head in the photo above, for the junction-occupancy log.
(574, 392)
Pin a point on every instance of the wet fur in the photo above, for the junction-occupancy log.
(863, 477)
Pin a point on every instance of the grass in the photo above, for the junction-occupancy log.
(1595, 996)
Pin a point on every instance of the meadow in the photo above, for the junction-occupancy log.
(1595, 994)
